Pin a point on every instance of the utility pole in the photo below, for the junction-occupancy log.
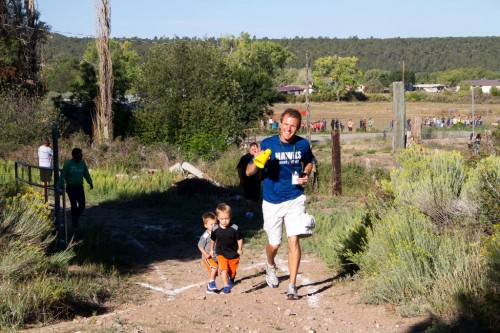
(473, 119)
(399, 114)
(314, 172)
(308, 112)
(403, 73)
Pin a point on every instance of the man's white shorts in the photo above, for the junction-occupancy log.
(289, 212)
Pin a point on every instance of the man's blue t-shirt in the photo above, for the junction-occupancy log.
(285, 159)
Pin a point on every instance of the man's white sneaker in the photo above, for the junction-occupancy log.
(291, 292)
(271, 278)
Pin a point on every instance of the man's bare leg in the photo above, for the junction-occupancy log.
(271, 251)
(294, 255)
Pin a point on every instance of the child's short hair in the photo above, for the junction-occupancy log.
(223, 208)
(208, 217)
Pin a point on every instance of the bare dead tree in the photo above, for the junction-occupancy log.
(103, 120)
(30, 52)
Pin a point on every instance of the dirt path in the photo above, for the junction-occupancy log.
(172, 299)
(167, 294)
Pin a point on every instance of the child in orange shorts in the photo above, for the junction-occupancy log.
(228, 244)
(207, 259)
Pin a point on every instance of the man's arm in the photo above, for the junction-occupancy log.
(308, 168)
(305, 173)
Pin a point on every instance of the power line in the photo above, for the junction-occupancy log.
(49, 31)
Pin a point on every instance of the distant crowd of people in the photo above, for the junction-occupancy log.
(322, 125)
(441, 122)
(368, 125)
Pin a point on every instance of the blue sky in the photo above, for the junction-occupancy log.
(278, 18)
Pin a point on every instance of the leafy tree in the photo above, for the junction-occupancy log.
(262, 55)
(336, 74)
(397, 75)
(190, 98)
(63, 74)
(380, 75)
(289, 76)
(255, 64)
(125, 65)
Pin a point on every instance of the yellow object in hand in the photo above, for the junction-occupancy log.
(261, 160)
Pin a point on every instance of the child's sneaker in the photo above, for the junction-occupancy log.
(291, 293)
(211, 288)
(226, 290)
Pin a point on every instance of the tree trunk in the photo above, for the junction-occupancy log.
(103, 121)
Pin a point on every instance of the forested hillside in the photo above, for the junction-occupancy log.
(420, 55)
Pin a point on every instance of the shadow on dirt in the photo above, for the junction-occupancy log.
(132, 234)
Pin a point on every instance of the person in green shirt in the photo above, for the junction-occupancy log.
(73, 173)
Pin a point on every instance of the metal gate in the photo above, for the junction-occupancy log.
(24, 174)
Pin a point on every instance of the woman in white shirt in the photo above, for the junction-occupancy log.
(45, 163)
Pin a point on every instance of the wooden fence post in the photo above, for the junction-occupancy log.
(399, 114)
(416, 129)
(336, 164)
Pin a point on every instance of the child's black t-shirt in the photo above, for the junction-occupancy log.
(226, 241)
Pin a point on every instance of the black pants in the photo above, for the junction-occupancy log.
(77, 200)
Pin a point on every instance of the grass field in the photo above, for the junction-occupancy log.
(381, 112)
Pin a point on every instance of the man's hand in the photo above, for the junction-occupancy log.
(303, 179)
(91, 186)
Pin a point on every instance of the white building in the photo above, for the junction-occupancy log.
(434, 88)
(485, 85)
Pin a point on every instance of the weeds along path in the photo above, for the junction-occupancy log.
(165, 291)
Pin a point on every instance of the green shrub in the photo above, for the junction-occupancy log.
(223, 170)
(24, 119)
(379, 97)
(491, 301)
(423, 251)
(338, 236)
(495, 91)
(35, 283)
(482, 190)
(428, 133)
(206, 145)
(414, 96)
(432, 183)
(407, 263)
(356, 179)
